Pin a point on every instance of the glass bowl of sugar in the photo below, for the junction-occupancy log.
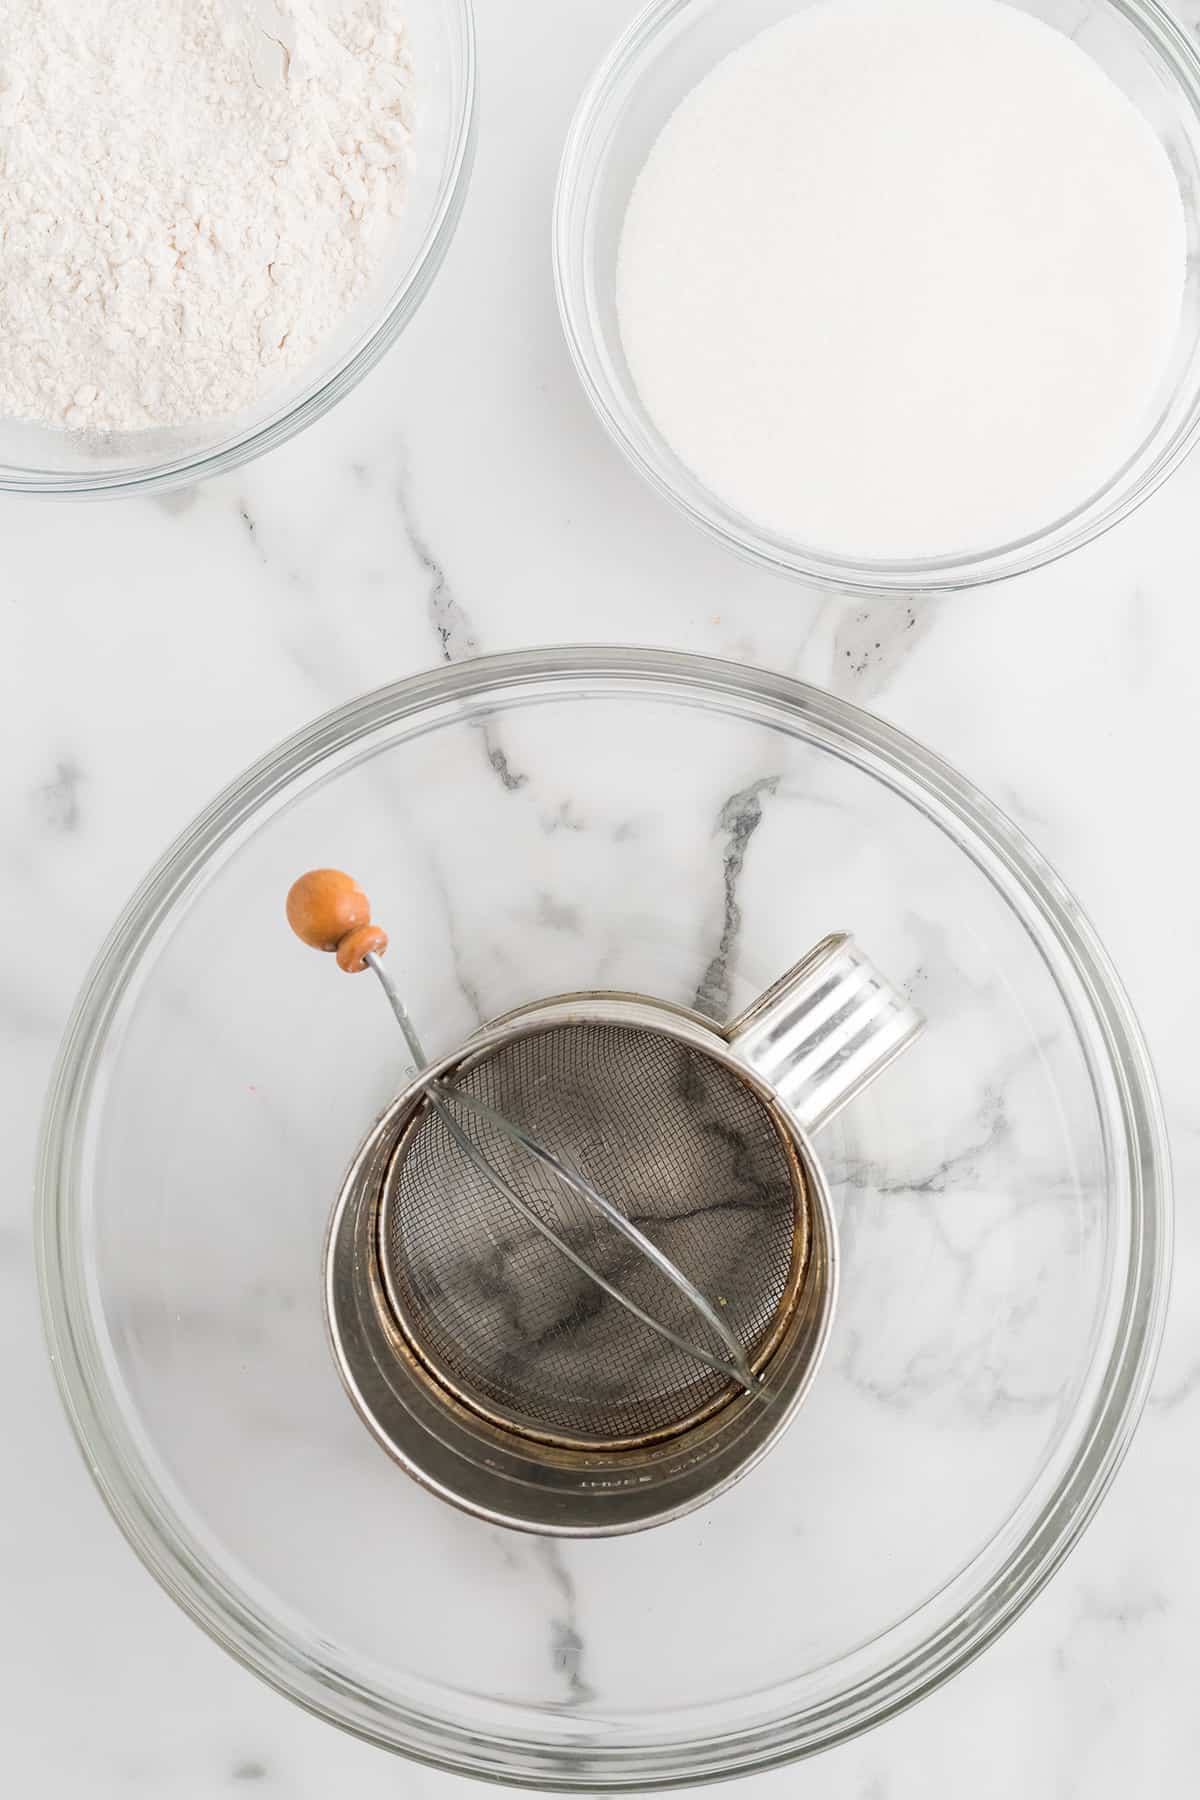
(216, 221)
(890, 297)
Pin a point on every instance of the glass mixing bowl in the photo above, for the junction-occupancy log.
(660, 58)
(35, 459)
(631, 819)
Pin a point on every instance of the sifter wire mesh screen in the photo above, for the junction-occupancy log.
(669, 1134)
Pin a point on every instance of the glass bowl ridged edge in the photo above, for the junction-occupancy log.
(231, 1620)
(320, 398)
(952, 572)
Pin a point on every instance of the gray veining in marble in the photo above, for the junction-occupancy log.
(739, 819)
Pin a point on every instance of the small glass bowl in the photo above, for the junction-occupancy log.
(36, 459)
(620, 819)
(658, 60)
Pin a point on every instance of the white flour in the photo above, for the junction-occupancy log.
(192, 195)
(899, 279)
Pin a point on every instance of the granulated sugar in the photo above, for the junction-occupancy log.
(903, 278)
(193, 193)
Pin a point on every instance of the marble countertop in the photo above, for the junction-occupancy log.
(463, 501)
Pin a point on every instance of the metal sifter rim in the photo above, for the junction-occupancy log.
(529, 1022)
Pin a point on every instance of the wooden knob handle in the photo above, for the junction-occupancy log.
(329, 911)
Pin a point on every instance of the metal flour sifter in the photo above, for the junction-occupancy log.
(581, 1272)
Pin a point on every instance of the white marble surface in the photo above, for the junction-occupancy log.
(466, 501)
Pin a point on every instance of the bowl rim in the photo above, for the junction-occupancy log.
(144, 1512)
(316, 400)
(954, 571)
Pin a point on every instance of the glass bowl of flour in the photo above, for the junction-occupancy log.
(890, 297)
(217, 216)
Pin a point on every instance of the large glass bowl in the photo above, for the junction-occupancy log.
(35, 459)
(659, 59)
(533, 824)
